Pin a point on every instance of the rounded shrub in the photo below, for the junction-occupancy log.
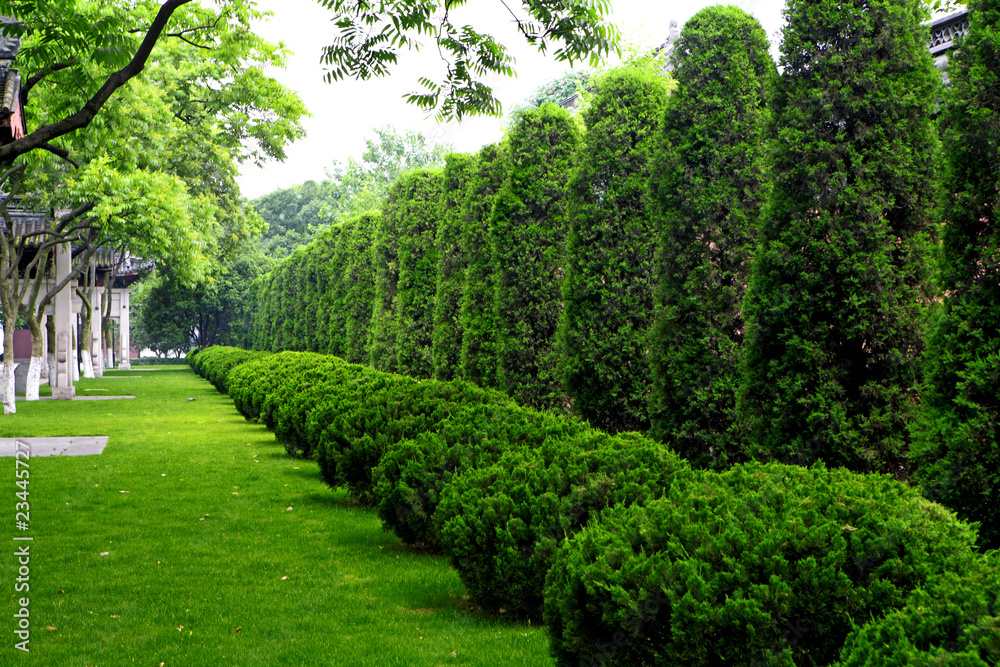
(413, 472)
(762, 564)
(299, 373)
(953, 620)
(502, 524)
(214, 363)
(351, 443)
(322, 385)
(251, 383)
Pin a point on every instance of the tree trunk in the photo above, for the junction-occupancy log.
(50, 354)
(87, 340)
(10, 321)
(35, 366)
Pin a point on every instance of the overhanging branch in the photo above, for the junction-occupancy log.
(82, 118)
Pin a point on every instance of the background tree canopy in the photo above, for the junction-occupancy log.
(295, 214)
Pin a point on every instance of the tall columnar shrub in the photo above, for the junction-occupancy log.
(385, 262)
(838, 280)
(447, 345)
(419, 214)
(250, 307)
(609, 254)
(263, 324)
(325, 313)
(707, 189)
(957, 443)
(359, 280)
(289, 286)
(528, 233)
(478, 356)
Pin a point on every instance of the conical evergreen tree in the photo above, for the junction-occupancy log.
(607, 290)
(708, 186)
(838, 281)
(447, 348)
(528, 236)
(418, 217)
(479, 332)
(385, 261)
(359, 278)
(956, 446)
(331, 260)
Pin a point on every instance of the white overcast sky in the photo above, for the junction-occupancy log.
(344, 113)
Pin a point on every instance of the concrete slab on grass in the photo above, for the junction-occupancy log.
(77, 445)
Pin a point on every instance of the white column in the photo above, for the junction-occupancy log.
(63, 387)
(123, 322)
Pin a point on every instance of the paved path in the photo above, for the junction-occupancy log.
(82, 445)
(79, 398)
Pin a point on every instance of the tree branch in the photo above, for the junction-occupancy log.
(60, 152)
(37, 78)
(82, 118)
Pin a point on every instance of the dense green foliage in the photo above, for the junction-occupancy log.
(214, 363)
(359, 276)
(527, 234)
(834, 306)
(385, 267)
(607, 289)
(707, 189)
(294, 215)
(477, 318)
(413, 473)
(762, 564)
(354, 442)
(417, 213)
(953, 620)
(502, 524)
(957, 443)
(447, 345)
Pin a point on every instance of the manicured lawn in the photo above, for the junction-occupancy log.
(221, 549)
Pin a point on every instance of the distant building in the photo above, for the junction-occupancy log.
(944, 31)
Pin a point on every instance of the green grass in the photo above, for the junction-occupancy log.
(206, 563)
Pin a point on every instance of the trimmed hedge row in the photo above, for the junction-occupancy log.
(413, 473)
(403, 444)
(630, 555)
(214, 363)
